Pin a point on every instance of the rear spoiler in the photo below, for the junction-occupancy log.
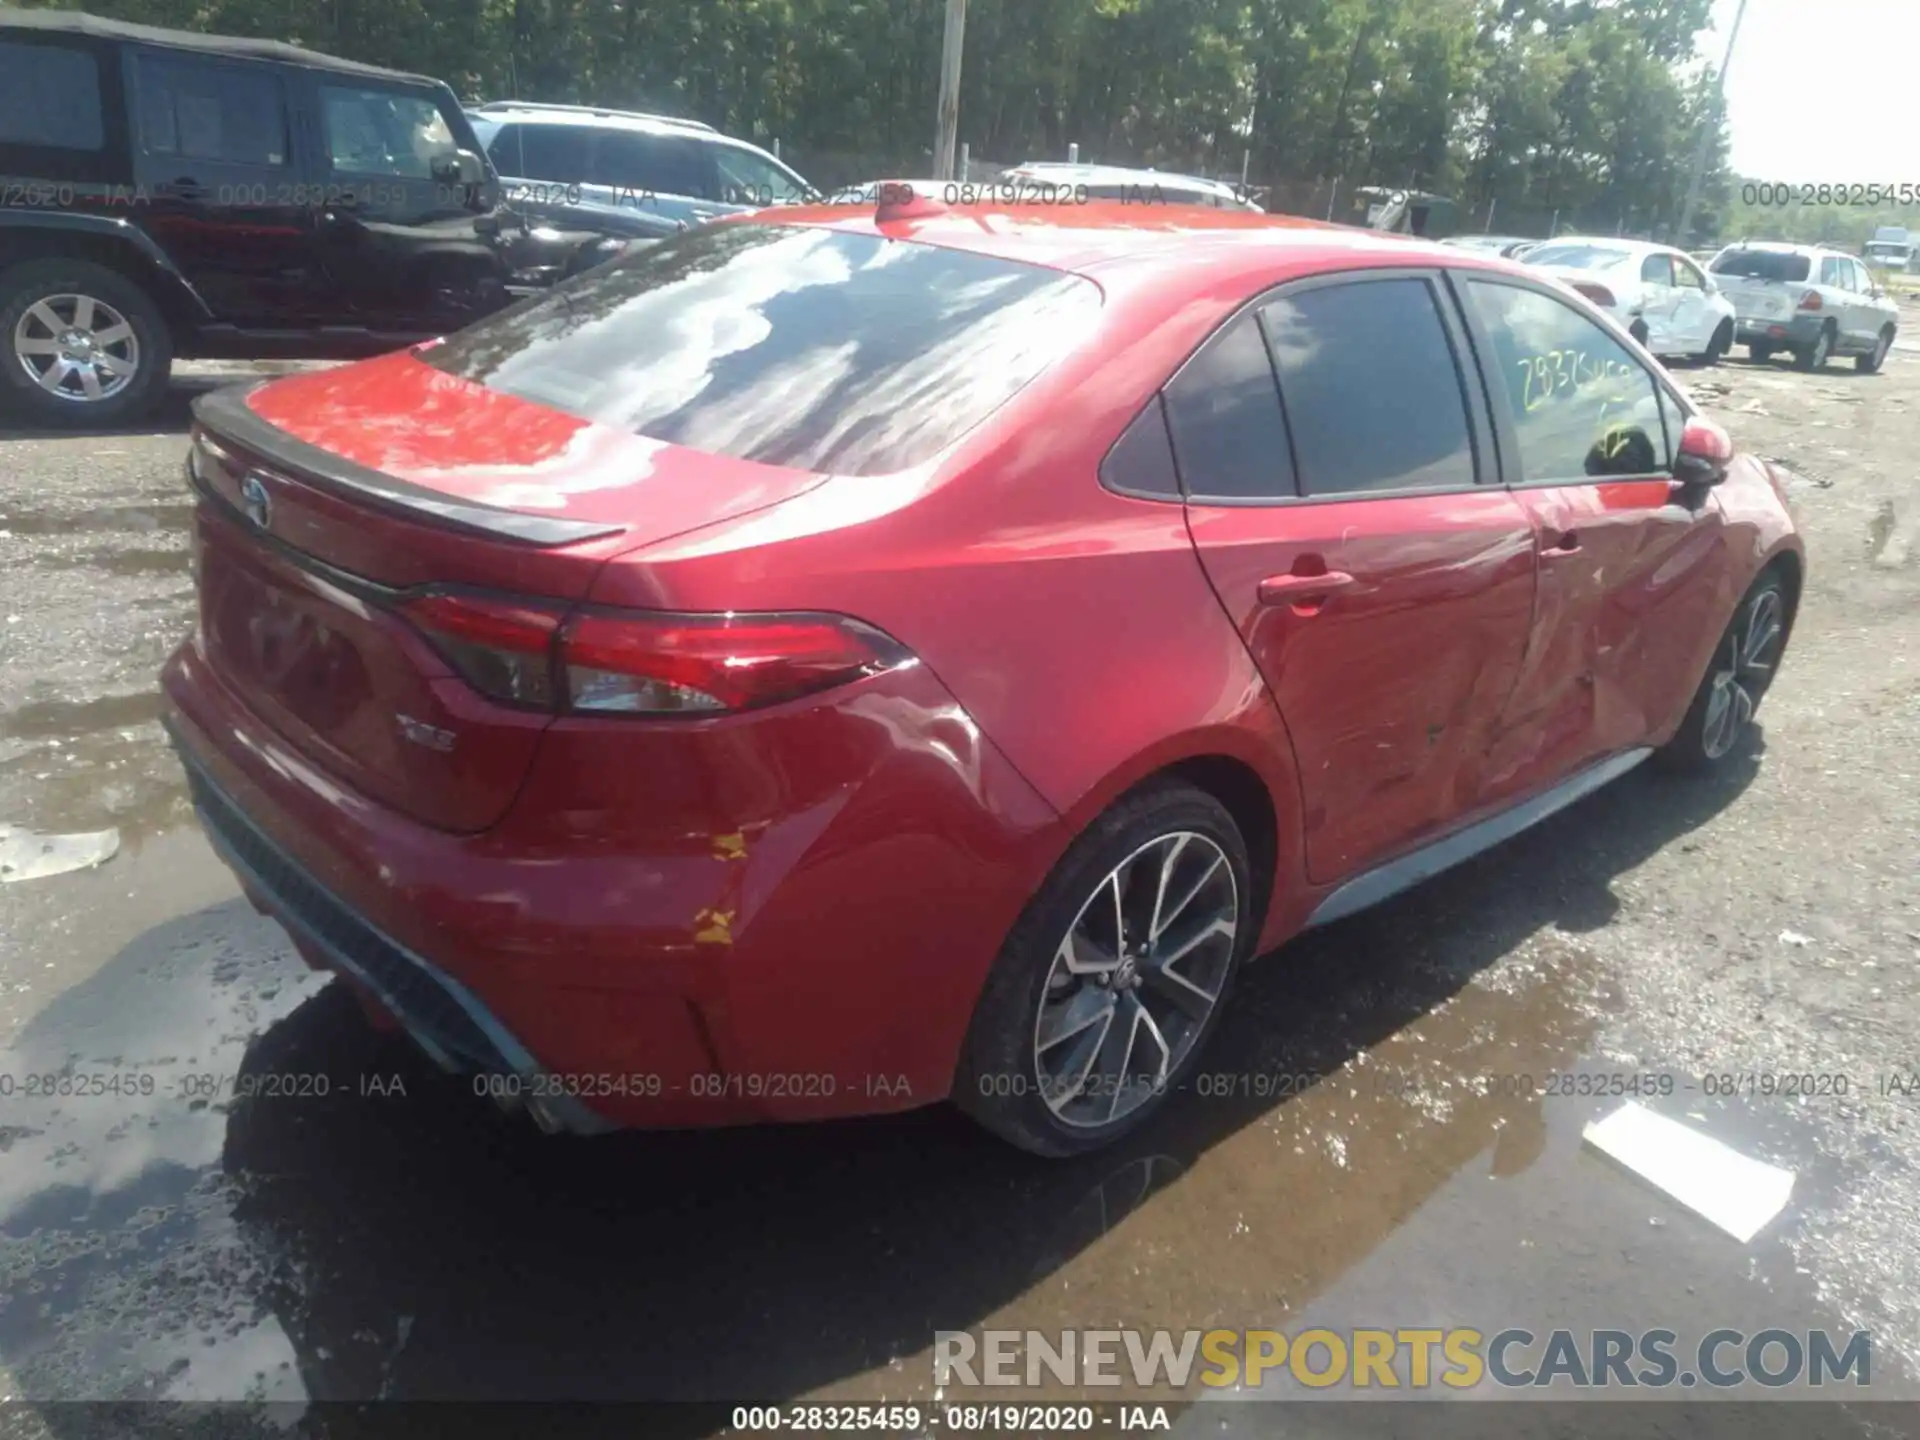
(227, 416)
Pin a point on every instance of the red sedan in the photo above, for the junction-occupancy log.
(835, 661)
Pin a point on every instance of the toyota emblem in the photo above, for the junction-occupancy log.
(258, 503)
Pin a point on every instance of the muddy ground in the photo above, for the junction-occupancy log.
(365, 1245)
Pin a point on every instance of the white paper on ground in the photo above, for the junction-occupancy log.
(1737, 1193)
(25, 855)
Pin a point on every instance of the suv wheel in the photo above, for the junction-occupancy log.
(80, 345)
(1815, 355)
(1871, 362)
(1112, 981)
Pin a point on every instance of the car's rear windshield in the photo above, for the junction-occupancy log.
(788, 345)
(1761, 265)
(1579, 257)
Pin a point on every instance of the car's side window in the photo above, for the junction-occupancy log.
(49, 95)
(1141, 460)
(196, 110)
(1370, 388)
(384, 132)
(663, 164)
(1580, 404)
(1224, 411)
(556, 153)
(1687, 275)
(1830, 272)
(753, 180)
(1862, 281)
(1657, 270)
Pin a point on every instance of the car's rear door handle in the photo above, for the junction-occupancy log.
(185, 187)
(1294, 589)
(1565, 545)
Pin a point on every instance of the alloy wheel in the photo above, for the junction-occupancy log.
(1822, 349)
(76, 348)
(1742, 672)
(1135, 978)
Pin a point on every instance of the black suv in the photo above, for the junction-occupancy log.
(169, 195)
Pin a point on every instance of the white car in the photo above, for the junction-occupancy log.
(1661, 295)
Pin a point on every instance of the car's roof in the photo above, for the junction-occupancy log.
(1779, 247)
(73, 22)
(1104, 234)
(590, 119)
(1614, 242)
(605, 120)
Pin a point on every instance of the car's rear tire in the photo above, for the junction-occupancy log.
(1738, 676)
(1058, 1059)
(80, 345)
(1759, 352)
(1815, 354)
(1718, 346)
(1870, 363)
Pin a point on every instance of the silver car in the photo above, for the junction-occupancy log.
(559, 158)
(1813, 302)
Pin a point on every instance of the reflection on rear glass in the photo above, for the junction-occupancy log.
(790, 346)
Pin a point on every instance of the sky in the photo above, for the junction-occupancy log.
(1822, 91)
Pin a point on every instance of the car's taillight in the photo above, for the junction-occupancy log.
(503, 648)
(1598, 294)
(653, 663)
(1811, 301)
(639, 662)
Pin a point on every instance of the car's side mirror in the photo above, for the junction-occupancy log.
(462, 167)
(1705, 452)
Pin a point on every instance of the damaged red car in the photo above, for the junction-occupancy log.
(832, 662)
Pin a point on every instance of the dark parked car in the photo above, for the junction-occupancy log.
(166, 195)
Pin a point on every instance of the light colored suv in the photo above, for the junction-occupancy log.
(557, 159)
(1806, 299)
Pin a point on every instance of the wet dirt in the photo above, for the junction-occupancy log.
(274, 1203)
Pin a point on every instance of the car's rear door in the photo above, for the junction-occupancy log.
(1348, 518)
(220, 186)
(1658, 298)
(1863, 315)
(1629, 561)
(669, 173)
(1694, 317)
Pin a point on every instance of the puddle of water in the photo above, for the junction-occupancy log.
(1359, 1146)
(162, 515)
(131, 563)
(73, 719)
(89, 764)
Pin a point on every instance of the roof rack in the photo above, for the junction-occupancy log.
(546, 108)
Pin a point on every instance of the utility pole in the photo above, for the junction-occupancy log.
(949, 117)
(1682, 230)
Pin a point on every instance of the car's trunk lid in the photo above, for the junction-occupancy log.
(331, 500)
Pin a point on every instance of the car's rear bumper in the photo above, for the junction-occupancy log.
(813, 948)
(1796, 329)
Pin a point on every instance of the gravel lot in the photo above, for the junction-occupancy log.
(358, 1245)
